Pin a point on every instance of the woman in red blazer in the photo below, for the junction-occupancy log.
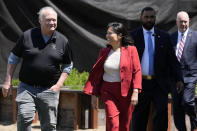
(117, 77)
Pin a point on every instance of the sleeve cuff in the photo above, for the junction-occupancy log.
(67, 68)
(13, 59)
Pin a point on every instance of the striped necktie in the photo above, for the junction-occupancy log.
(181, 46)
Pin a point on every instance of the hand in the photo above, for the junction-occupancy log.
(6, 90)
(134, 97)
(55, 88)
(179, 86)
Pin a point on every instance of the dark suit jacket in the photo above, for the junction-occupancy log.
(165, 63)
(130, 72)
(188, 60)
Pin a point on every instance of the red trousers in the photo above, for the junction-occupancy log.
(117, 108)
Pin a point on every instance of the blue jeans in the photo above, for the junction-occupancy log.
(32, 98)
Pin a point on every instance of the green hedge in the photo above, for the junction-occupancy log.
(76, 80)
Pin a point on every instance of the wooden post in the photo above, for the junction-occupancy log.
(150, 119)
(94, 114)
(169, 114)
(77, 112)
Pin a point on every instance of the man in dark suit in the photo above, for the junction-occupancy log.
(159, 65)
(185, 44)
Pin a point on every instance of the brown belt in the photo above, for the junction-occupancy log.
(148, 77)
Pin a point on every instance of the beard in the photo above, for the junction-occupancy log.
(148, 25)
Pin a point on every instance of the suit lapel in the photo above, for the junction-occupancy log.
(105, 54)
(188, 38)
(141, 36)
(124, 54)
(156, 36)
(141, 43)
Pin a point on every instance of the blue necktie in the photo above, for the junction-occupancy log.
(150, 53)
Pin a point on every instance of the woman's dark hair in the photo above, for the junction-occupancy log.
(119, 28)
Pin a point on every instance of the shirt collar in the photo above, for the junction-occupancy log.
(145, 31)
(52, 38)
(184, 33)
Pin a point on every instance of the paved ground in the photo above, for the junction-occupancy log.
(5, 126)
(101, 125)
(36, 127)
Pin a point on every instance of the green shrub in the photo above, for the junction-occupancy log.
(75, 80)
(15, 82)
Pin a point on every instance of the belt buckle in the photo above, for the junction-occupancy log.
(149, 77)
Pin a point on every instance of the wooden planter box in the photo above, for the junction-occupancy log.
(74, 111)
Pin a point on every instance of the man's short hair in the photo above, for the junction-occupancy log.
(42, 10)
(147, 9)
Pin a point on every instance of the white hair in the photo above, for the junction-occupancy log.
(180, 13)
(43, 10)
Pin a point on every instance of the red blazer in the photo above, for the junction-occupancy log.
(130, 72)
